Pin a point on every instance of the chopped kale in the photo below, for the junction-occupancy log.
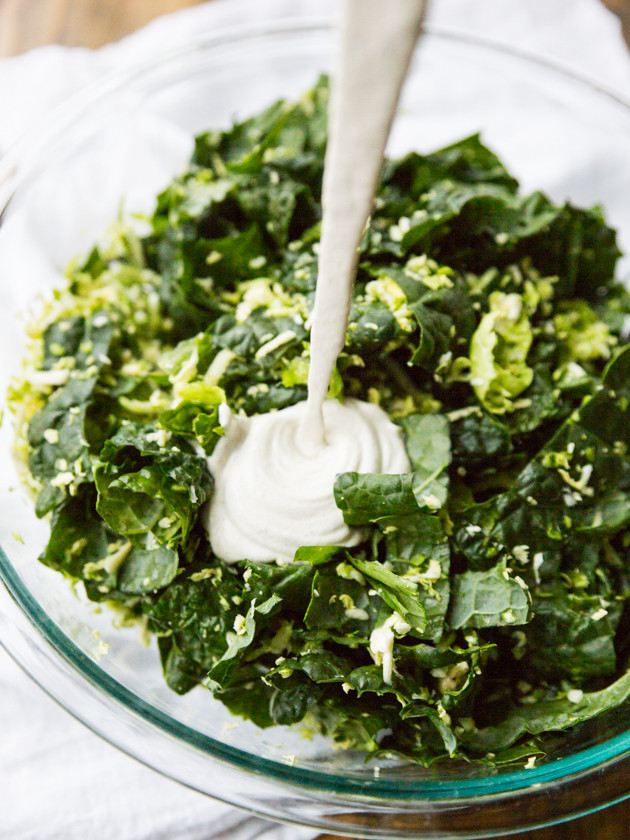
(486, 603)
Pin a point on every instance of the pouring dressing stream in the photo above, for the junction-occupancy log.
(274, 473)
(374, 53)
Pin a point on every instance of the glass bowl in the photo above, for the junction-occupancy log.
(58, 191)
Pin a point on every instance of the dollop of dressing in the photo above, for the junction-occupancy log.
(270, 498)
(274, 473)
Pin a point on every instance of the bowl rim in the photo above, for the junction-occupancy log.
(66, 112)
(292, 773)
(583, 763)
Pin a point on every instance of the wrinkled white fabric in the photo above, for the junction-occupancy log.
(58, 780)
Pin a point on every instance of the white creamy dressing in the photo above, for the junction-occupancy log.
(376, 43)
(270, 498)
(274, 473)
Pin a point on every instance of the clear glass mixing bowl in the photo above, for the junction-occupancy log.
(58, 190)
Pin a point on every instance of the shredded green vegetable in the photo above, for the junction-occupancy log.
(488, 604)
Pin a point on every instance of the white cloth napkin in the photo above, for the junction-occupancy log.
(58, 781)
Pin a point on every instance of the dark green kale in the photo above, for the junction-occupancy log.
(486, 603)
(150, 488)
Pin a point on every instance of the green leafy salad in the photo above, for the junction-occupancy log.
(487, 324)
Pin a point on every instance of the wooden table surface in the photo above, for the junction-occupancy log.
(25, 24)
